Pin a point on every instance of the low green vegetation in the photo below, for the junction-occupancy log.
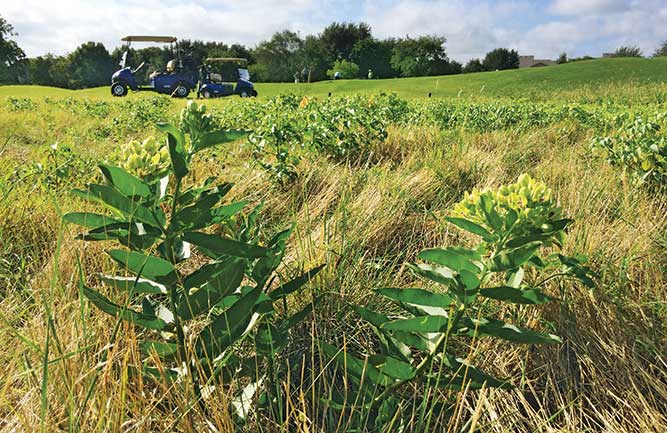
(369, 262)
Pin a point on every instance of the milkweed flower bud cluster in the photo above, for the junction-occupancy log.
(530, 200)
(147, 159)
(195, 121)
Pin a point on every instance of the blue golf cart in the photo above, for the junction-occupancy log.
(225, 76)
(177, 80)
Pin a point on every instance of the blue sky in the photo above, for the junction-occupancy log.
(541, 27)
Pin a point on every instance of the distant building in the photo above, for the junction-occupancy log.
(532, 62)
(607, 55)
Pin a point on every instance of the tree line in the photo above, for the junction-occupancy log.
(347, 48)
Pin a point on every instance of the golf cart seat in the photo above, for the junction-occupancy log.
(171, 66)
(216, 78)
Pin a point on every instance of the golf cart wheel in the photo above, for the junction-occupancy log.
(244, 94)
(254, 93)
(118, 89)
(180, 91)
(206, 94)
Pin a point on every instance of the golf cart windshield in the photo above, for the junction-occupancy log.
(123, 60)
(229, 67)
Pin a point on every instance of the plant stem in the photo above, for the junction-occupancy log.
(173, 296)
(451, 325)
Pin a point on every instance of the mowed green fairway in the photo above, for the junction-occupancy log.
(529, 83)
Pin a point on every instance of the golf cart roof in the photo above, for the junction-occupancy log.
(166, 39)
(226, 59)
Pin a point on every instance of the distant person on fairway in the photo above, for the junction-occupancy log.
(370, 74)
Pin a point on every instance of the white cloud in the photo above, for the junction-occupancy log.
(60, 26)
(579, 7)
(471, 28)
(639, 22)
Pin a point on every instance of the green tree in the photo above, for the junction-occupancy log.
(91, 65)
(278, 59)
(49, 70)
(346, 69)
(628, 51)
(501, 59)
(11, 55)
(375, 54)
(420, 57)
(474, 65)
(661, 51)
(315, 58)
(562, 59)
(453, 67)
(339, 39)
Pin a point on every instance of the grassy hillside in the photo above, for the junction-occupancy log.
(529, 83)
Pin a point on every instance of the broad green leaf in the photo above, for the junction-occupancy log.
(490, 215)
(202, 214)
(193, 194)
(295, 284)
(507, 260)
(178, 157)
(265, 266)
(281, 236)
(401, 340)
(139, 319)
(127, 233)
(124, 182)
(393, 367)
(150, 267)
(362, 369)
(134, 285)
(297, 317)
(469, 279)
(456, 259)
(219, 137)
(178, 251)
(170, 129)
(269, 339)
(523, 240)
(216, 246)
(130, 208)
(465, 375)
(167, 351)
(423, 324)
(495, 328)
(515, 278)
(438, 274)
(89, 219)
(517, 296)
(120, 231)
(471, 227)
(229, 326)
(372, 317)
(226, 278)
(416, 297)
